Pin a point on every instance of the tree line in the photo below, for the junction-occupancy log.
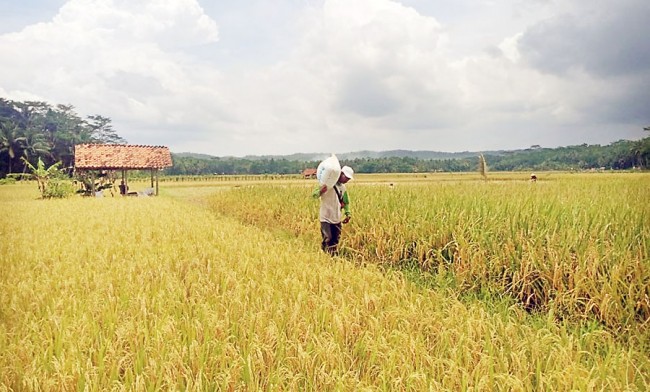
(621, 155)
(33, 130)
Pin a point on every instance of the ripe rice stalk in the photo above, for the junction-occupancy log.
(193, 299)
(574, 228)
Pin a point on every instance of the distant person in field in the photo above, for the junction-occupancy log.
(332, 201)
(123, 188)
(533, 178)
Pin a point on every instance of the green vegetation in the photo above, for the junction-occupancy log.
(621, 155)
(51, 182)
(30, 131)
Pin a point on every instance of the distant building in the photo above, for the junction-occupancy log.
(309, 173)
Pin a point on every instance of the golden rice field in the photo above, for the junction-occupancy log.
(223, 287)
(576, 245)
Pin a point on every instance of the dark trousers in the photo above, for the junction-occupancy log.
(331, 233)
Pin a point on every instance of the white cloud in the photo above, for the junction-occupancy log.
(331, 75)
(381, 67)
(119, 58)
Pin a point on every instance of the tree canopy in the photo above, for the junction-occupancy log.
(31, 130)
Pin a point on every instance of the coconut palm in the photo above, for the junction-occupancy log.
(35, 145)
(11, 141)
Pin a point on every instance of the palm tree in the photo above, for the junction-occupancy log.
(11, 141)
(35, 145)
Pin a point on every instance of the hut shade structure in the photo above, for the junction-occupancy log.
(309, 173)
(123, 157)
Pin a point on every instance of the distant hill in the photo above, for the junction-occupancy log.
(416, 154)
(620, 155)
(193, 155)
(317, 156)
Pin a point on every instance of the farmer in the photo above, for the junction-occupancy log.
(332, 201)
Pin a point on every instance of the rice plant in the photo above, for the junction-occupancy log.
(163, 293)
(576, 245)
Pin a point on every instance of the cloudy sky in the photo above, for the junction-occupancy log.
(257, 77)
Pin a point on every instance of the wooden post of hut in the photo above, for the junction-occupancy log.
(92, 184)
(156, 182)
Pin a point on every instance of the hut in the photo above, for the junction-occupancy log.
(309, 173)
(122, 157)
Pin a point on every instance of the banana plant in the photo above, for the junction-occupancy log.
(41, 174)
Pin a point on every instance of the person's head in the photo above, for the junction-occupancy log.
(346, 175)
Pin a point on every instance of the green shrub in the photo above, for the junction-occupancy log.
(58, 189)
(7, 180)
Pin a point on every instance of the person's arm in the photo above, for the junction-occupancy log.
(346, 207)
(319, 191)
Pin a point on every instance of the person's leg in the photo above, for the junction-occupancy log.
(326, 234)
(331, 234)
(336, 236)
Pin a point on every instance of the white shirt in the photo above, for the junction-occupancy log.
(330, 206)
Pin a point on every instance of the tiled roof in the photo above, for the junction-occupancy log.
(121, 156)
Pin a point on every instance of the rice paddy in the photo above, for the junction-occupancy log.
(444, 284)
